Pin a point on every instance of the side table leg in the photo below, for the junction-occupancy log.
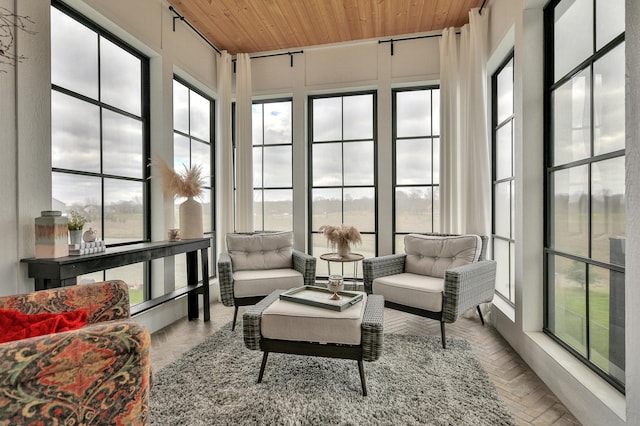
(355, 275)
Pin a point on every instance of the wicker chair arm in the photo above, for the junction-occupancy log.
(252, 318)
(372, 328)
(467, 286)
(382, 266)
(306, 265)
(225, 279)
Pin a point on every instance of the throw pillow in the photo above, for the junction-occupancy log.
(16, 325)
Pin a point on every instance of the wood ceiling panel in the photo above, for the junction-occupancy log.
(266, 25)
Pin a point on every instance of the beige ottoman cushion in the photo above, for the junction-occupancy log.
(284, 320)
(259, 283)
(418, 291)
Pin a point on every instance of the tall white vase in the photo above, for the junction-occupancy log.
(191, 219)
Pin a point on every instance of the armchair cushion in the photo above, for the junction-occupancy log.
(433, 255)
(273, 250)
(260, 282)
(418, 291)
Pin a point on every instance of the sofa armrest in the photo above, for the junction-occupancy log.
(382, 266)
(372, 328)
(71, 375)
(104, 301)
(252, 320)
(467, 286)
(225, 279)
(306, 265)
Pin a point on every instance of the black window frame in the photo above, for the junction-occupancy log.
(212, 162)
(394, 165)
(263, 145)
(495, 127)
(310, 140)
(146, 132)
(550, 84)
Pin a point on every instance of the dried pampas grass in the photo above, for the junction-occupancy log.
(341, 235)
(186, 184)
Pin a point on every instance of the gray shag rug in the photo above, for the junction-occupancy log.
(415, 382)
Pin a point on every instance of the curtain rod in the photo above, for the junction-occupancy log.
(482, 6)
(183, 19)
(392, 40)
(271, 55)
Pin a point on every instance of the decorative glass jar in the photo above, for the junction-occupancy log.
(51, 234)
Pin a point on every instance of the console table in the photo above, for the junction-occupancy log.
(63, 271)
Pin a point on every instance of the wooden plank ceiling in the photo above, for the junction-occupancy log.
(249, 26)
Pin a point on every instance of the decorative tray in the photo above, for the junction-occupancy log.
(319, 297)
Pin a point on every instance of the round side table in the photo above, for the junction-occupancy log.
(351, 257)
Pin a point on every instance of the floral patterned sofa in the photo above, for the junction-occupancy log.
(98, 374)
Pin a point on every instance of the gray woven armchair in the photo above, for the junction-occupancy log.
(256, 264)
(440, 276)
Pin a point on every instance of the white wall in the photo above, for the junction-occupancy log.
(8, 172)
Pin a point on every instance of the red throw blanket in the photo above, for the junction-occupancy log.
(14, 325)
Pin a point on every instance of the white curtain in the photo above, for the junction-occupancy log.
(465, 161)
(450, 200)
(244, 145)
(224, 157)
(478, 189)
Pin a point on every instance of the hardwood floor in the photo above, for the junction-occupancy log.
(527, 397)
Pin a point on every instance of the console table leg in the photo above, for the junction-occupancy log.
(192, 279)
(204, 260)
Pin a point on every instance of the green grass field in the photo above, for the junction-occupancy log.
(135, 296)
(570, 326)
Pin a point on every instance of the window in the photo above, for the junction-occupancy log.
(272, 165)
(100, 136)
(193, 146)
(342, 171)
(585, 181)
(502, 236)
(416, 131)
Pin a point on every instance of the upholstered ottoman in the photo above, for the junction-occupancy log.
(281, 326)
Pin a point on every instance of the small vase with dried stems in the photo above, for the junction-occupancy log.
(341, 238)
(187, 184)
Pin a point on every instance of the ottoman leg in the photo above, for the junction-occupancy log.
(264, 363)
(362, 380)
